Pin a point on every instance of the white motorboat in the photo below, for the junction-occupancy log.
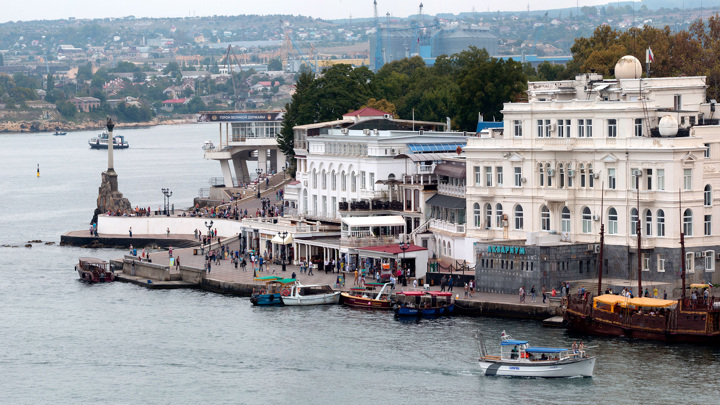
(208, 145)
(518, 359)
(298, 294)
(101, 141)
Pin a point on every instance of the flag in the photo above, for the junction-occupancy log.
(649, 57)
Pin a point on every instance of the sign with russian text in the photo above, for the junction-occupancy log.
(506, 249)
(240, 117)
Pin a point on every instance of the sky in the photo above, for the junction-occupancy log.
(327, 9)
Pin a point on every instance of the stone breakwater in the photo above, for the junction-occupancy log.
(52, 126)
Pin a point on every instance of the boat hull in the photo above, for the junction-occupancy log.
(105, 146)
(266, 299)
(361, 302)
(91, 277)
(315, 299)
(563, 369)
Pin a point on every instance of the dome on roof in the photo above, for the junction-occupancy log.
(628, 67)
(668, 126)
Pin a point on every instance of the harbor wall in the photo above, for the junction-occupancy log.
(506, 310)
(192, 275)
(158, 225)
(147, 270)
(124, 242)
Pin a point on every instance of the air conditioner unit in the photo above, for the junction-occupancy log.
(717, 257)
(344, 131)
(376, 132)
(591, 247)
(305, 183)
(524, 180)
(698, 254)
(596, 248)
(596, 217)
(366, 131)
(637, 173)
(571, 173)
(551, 172)
(553, 127)
(596, 175)
(420, 132)
(708, 253)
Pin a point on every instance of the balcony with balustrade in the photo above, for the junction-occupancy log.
(440, 225)
(452, 190)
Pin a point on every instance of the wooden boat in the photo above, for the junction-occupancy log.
(518, 359)
(424, 304)
(694, 320)
(367, 297)
(94, 270)
(300, 295)
(271, 294)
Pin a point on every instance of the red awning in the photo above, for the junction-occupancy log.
(440, 293)
(412, 293)
(393, 249)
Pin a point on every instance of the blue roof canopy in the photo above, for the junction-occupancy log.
(511, 342)
(544, 350)
(434, 147)
(488, 124)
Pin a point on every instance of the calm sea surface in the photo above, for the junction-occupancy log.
(63, 341)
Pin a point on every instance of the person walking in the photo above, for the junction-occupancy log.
(532, 293)
(130, 231)
(356, 278)
(544, 293)
(450, 283)
(442, 283)
(472, 287)
(310, 269)
(521, 293)
(167, 232)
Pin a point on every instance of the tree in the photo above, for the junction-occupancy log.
(382, 105)
(139, 77)
(66, 109)
(275, 65)
(84, 72)
(298, 111)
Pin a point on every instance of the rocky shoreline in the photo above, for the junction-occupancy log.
(18, 127)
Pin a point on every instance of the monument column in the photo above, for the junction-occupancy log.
(111, 164)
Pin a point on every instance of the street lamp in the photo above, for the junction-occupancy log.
(209, 227)
(259, 172)
(167, 193)
(283, 235)
(404, 247)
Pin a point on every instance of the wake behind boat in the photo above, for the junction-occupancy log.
(101, 142)
(518, 359)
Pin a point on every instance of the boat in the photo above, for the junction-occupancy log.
(271, 294)
(208, 145)
(426, 304)
(101, 141)
(367, 297)
(691, 320)
(94, 270)
(59, 133)
(300, 295)
(518, 359)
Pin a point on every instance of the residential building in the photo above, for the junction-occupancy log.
(85, 103)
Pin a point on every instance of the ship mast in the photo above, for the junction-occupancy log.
(682, 245)
(602, 240)
(639, 248)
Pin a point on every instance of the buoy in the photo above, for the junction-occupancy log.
(38, 170)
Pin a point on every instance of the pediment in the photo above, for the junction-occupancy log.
(689, 158)
(609, 158)
(516, 157)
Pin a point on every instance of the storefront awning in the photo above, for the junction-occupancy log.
(387, 220)
(280, 241)
(446, 201)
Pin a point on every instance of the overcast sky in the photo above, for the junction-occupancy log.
(328, 9)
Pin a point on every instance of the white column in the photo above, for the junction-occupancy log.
(227, 174)
(262, 159)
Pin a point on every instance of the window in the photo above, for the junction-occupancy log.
(687, 179)
(499, 216)
(372, 181)
(363, 181)
(488, 176)
(706, 154)
(324, 180)
(677, 102)
(687, 222)
(660, 264)
(611, 179)
(353, 182)
(648, 223)
(478, 175)
(582, 175)
(581, 128)
(565, 219)
(541, 171)
(563, 127)
(645, 262)
(544, 218)
(499, 176)
(314, 205)
(633, 221)
(518, 176)
(586, 220)
(571, 174)
(333, 181)
(648, 176)
(709, 260)
(333, 208)
(549, 174)
(314, 178)
(708, 225)
(561, 175)
(591, 176)
(661, 179)
(477, 218)
(660, 223)
(634, 178)
(343, 181)
(612, 128)
(638, 127)
(324, 206)
(588, 128)
(488, 216)
(690, 262)
(707, 196)
(518, 217)
(612, 221)
(543, 128)
(517, 127)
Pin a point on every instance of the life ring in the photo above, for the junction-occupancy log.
(285, 292)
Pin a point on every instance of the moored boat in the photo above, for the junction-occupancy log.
(101, 141)
(301, 295)
(424, 304)
(518, 359)
(94, 270)
(271, 294)
(367, 297)
(208, 145)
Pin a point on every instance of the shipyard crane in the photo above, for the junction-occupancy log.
(379, 60)
(289, 38)
(230, 61)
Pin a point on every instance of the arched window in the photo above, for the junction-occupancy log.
(688, 222)
(314, 178)
(542, 174)
(570, 174)
(547, 170)
(707, 197)
(488, 216)
(324, 180)
(612, 221)
(660, 223)
(544, 218)
(586, 220)
(566, 219)
(343, 181)
(518, 217)
(648, 223)
(591, 178)
(498, 215)
(477, 216)
(633, 221)
(333, 181)
(582, 175)
(561, 175)
(449, 249)
(353, 182)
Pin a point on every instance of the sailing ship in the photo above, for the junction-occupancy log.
(695, 319)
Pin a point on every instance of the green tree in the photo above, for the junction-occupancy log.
(298, 111)
(84, 72)
(275, 64)
(66, 109)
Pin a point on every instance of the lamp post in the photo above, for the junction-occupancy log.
(404, 246)
(259, 172)
(167, 193)
(283, 235)
(209, 227)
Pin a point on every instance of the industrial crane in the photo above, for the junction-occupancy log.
(379, 60)
(230, 61)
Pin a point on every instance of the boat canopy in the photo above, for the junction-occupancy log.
(92, 260)
(286, 280)
(267, 278)
(650, 302)
(412, 293)
(544, 350)
(610, 299)
(511, 342)
(440, 293)
(699, 285)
